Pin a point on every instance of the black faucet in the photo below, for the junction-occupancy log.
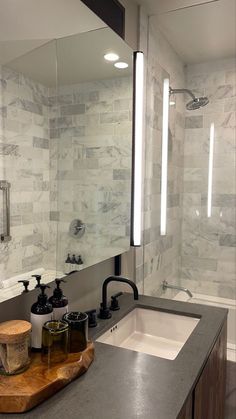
(104, 310)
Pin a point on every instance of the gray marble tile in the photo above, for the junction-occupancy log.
(34, 239)
(228, 240)
(71, 132)
(35, 260)
(9, 150)
(27, 105)
(3, 83)
(3, 111)
(224, 91)
(230, 105)
(85, 97)
(121, 174)
(147, 236)
(116, 117)
(173, 200)
(199, 263)
(220, 200)
(76, 109)
(21, 207)
(54, 216)
(59, 122)
(40, 143)
(193, 122)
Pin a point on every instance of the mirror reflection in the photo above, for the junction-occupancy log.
(65, 153)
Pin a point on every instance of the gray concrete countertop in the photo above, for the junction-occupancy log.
(123, 384)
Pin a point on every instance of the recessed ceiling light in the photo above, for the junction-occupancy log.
(121, 65)
(172, 103)
(111, 56)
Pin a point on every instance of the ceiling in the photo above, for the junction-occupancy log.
(27, 24)
(155, 7)
(199, 33)
(78, 58)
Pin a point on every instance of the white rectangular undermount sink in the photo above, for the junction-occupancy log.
(152, 332)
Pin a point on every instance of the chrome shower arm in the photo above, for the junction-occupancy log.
(173, 91)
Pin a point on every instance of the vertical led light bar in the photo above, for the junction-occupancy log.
(210, 169)
(164, 157)
(136, 207)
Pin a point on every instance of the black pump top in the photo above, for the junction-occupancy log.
(43, 298)
(68, 259)
(42, 305)
(25, 282)
(73, 260)
(58, 300)
(80, 261)
(58, 291)
(38, 279)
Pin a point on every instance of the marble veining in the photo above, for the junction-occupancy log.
(24, 151)
(91, 136)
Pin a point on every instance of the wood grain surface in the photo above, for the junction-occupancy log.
(22, 392)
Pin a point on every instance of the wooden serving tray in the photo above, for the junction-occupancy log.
(22, 392)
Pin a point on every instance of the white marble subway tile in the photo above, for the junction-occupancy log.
(221, 120)
(114, 117)
(230, 105)
(230, 76)
(202, 264)
(228, 240)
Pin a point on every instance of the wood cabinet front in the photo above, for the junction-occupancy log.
(209, 394)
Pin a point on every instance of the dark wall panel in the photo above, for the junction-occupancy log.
(111, 12)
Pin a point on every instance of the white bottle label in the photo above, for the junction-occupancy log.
(37, 321)
(59, 312)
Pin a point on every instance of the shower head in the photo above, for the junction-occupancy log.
(197, 103)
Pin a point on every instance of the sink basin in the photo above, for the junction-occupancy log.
(152, 332)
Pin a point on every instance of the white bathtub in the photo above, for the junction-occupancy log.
(218, 302)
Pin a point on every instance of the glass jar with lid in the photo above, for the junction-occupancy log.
(14, 346)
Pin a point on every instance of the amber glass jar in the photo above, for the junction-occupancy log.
(55, 342)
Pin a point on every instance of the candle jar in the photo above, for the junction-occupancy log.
(14, 346)
(54, 342)
(78, 330)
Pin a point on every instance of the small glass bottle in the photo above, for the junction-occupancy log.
(80, 263)
(74, 266)
(67, 268)
(59, 301)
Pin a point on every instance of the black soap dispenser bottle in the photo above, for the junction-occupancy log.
(59, 301)
(41, 312)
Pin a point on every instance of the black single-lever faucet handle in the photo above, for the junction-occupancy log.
(25, 282)
(114, 301)
(92, 318)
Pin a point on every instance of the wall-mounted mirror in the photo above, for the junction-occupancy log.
(92, 139)
(65, 153)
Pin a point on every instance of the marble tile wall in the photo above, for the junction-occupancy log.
(24, 162)
(91, 137)
(208, 253)
(159, 258)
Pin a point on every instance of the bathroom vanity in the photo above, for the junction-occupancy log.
(126, 384)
